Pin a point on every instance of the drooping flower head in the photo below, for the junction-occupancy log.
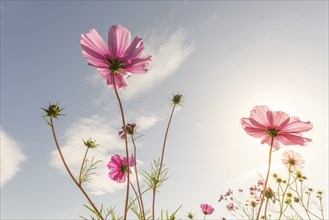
(130, 129)
(207, 209)
(266, 124)
(293, 160)
(119, 168)
(119, 57)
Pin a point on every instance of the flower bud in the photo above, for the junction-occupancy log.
(53, 111)
(177, 99)
(90, 144)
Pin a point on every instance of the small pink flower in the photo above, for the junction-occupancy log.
(228, 193)
(207, 209)
(230, 207)
(293, 160)
(119, 57)
(260, 183)
(119, 168)
(279, 126)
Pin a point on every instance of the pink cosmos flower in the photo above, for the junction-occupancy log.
(118, 167)
(266, 124)
(230, 207)
(207, 209)
(120, 57)
(293, 160)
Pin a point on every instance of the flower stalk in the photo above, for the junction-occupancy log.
(161, 161)
(265, 184)
(99, 215)
(126, 145)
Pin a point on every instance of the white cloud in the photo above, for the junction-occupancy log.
(100, 129)
(169, 51)
(146, 121)
(11, 157)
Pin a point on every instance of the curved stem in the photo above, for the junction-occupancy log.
(83, 163)
(126, 143)
(161, 161)
(268, 173)
(70, 173)
(138, 186)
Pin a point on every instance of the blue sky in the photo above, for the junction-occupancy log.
(225, 57)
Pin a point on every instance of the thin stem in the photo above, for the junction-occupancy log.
(284, 193)
(161, 161)
(126, 143)
(268, 173)
(139, 204)
(321, 208)
(301, 200)
(138, 186)
(265, 208)
(69, 171)
(82, 164)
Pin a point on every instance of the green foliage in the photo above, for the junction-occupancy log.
(88, 169)
(152, 178)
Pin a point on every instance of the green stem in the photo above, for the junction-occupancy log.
(161, 162)
(138, 186)
(126, 144)
(268, 173)
(70, 173)
(82, 164)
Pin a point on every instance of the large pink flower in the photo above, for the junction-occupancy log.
(119, 168)
(207, 209)
(293, 160)
(120, 57)
(266, 124)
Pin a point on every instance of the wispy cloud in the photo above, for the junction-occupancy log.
(11, 157)
(169, 50)
(99, 128)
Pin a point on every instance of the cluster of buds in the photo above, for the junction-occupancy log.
(278, 179)
(300, 176)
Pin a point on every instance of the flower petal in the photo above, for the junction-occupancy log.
(259, 115)
(135, 49)
(118, 41)
(138, 66)
(93, 44)
(296, 126)
(119, 81)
